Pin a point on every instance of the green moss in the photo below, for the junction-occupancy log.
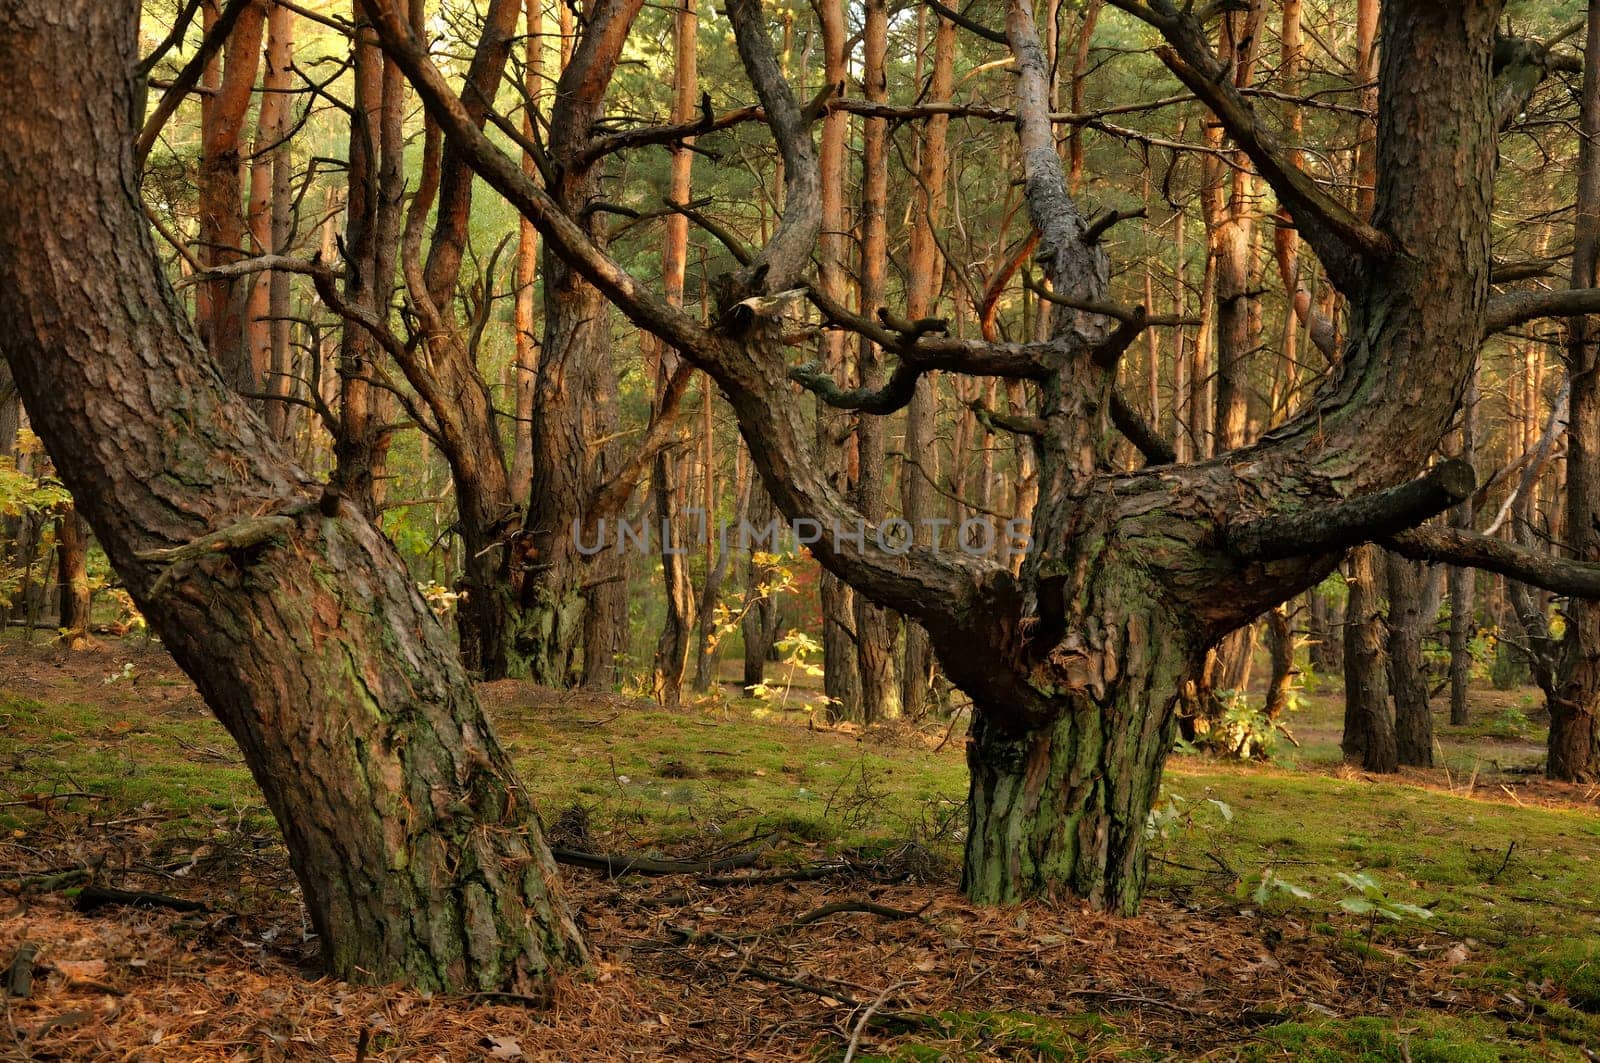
(1407, 1039)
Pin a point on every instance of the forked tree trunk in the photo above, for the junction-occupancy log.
(414, 843)
(572, 614)
(1061, 809)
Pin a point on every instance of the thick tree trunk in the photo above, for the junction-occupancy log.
(1408, 682)
(572, 621)
(1060, 809)
(1368, 724)
(416, 847)
(72, 564)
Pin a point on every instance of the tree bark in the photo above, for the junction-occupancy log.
(371, 243)
(222, 223)
(526, 365)
(1130, 575)
(270, 218)
(677, 629)
(416, 848)
(1408, 682)
(572, 615)
(925, 268)
(1460, 579)
(1281, 642)
(1574, 750)
(875, 626)
(1368, 724)
(72, 560)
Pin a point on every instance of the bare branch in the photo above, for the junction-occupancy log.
(187, 79)
(1341, 240)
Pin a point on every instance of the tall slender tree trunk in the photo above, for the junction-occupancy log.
(836, 442)
(1461, 581)
(526, 365)
(677, 629)
(371, 243)
(1574, 752)
(222, 222)
(875, 626)
(416, 848)
(925, 276)
(269, 217)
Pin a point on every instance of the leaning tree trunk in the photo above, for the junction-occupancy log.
(416, 847)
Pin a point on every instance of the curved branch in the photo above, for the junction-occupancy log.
(1355, 520)
(1457, 546)
(783, 261)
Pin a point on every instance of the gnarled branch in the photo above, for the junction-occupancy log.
(1457, 546)
(1353, 521)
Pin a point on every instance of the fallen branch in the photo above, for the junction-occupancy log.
(616, 865)
(93, 898)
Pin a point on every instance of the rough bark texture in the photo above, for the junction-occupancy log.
(1408, 682)
(572, 610)
(222, 222)
(1574, 752)
(371, 243)
(1281, 643)
(1074, 663)
(1368, 723)
(416, 847)
(72, 565)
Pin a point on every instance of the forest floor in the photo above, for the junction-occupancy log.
(113, 775)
